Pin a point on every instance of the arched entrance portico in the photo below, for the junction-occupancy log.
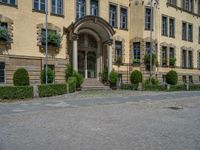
(92, 45)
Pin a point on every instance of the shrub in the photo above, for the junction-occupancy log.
(194, 87)
(50, 74)
(53, 38)
(104, 76)
(136, 77)
(154, 87)
(172, 77)
(4, 35)
(21, 77)
(172, 61)
(151, 81)
(177, 87)
(68, 71)
(129, 87)
(113, 77)
(79, 79)
(72, 84)
(147, 59)
(16, 92)
(52, 90)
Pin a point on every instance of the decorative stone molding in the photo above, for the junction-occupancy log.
(164, 44)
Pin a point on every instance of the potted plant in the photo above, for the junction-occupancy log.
(172, 61)
(4, 35)
(136, 61)
(53, 39)
(113, 77)
(147, 60)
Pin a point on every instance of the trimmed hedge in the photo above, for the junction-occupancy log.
(21, 77)
(16, 92)
(50, 74)
(72, 84)
(52, 90)
(181, 87)
(172, 77)
(129, 86)
(194, 87)
(154, 87)
(136, 77)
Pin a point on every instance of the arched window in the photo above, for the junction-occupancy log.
(80, 9)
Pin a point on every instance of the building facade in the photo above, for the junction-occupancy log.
(99, 34)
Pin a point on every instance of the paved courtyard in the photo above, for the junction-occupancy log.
(103, 120)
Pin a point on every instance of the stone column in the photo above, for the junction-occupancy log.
(109, 50)
(75, 52)
(86, 70)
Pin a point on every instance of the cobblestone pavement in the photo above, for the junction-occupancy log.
(103, 120)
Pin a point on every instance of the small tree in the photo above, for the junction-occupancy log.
(21, 77)
(79, 79)
(172, 77)
(50, 74)
(136, 77)
(68, 71)
(113, 77)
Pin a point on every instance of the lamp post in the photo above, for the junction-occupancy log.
(151, 45)
(46, 44)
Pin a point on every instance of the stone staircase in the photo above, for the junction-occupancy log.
(93, 84)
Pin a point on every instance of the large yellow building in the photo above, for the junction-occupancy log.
(101, 33)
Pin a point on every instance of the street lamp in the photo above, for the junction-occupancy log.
(46, 43)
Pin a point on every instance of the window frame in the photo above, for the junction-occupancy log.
(56, 8)
(97, 8)
(121, 18)
(148, 27)
(38, 9)
(165, 30)
(115, 25)
(172, 29)
(3, 71)
(82, 14)
(8, 3)
(118, 43)
(137, 51)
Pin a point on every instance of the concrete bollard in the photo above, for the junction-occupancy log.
(168, 87)
(140, 87)
(35, 91)
(187, 87)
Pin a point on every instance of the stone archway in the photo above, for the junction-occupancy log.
(101, 31)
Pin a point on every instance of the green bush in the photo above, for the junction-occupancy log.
(21, 77)
(79, 79)
(68, 71)
(52, 90)
(147, 59)
(16, 92)
(50, 74)
(154, 87)
(172, 77)
(151, 81)
(136, 77)
(104, 76)
(72, 84)
(129, 86)
(113, 77)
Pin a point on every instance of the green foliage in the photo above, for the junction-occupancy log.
(21, 77)
(172, 77)
(136, 61)
(147, 87)
(180, 87)
(129, 86)
(194, 87)
(104, 76)
(16, 92)
(118, 60)
(4, 35)
(50, 74)
(52, 90)
(147, 59)
(151, 81)
(53, 39)
(136, 77)
(113, 77)
(172, 61)
(79, 79)
(72, 84)
(68, 71)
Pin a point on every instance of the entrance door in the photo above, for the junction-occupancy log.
(91, 64)
(81, 62)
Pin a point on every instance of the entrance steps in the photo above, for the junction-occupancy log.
(93, 84)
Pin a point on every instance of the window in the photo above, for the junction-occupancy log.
(184, 58)
(39, 5)
(123, 18)
(57, 7)
(10, 2)
(171, 27)
(148, 19)
(148, 47)
(188, 5)
(184, 78)
(2, 72)
(118, 51)
(80, 9)
(94, 8)
(171, 57)
(164, 56)
(164, 25)
(184, 31)
(173, 2)
(136, 51)
(190, 79)
(190, 57)
(3, 25)
(113, 15)
(190, 32)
